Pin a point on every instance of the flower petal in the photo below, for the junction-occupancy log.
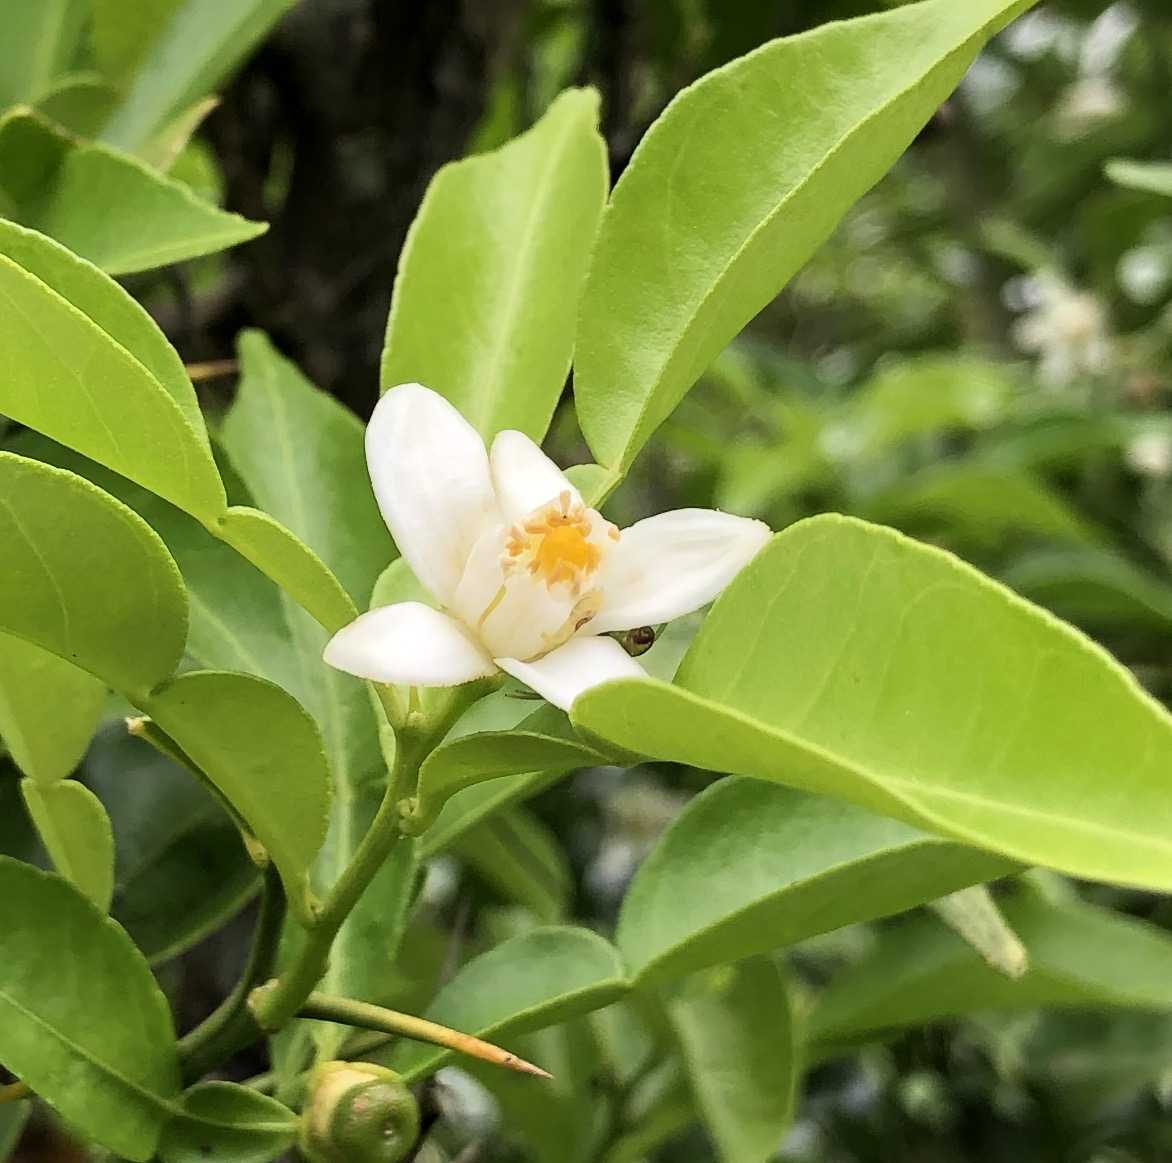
(563, 674)
(430, 474)
(525, 478)
(408, 643)
(672, 564)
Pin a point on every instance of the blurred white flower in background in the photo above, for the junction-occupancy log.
(1094, 96)
(1150, 454)
(1066, 328)
(1086, 102)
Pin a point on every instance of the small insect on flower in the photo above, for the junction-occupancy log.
(529, 579)
(638, 641)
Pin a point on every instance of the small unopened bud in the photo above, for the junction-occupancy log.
(357, 1112)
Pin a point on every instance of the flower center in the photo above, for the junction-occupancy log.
(553, 543)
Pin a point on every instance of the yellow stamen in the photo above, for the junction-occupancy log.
(553, 544)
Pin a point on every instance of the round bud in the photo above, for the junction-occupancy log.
(357, 1113)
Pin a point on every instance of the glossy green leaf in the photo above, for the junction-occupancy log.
(110, 308)
(81, 362)
(228, 1123)
(1007, 729)
(191, 52)
(76, 833)
(49, 709)
(519, 858)
(263, 752)
(86, 578)
(486, 299)
(40, 40)
(181, 868)
(739, 181)
(282, 556)
(538, 979)
(238, 620)
(919, 971)
(749, 866)
(736, 1033)
(544, 741)
(105, 205)
(81, 1019)
(1152, 177)
(301, 454)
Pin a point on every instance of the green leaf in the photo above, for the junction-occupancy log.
(515, 854)
(81, 1019)
(984, 506)
(542, 742)
(188, 56)
(478, 802)
(76, 833)
(105, 205)
(973, 915)
(181, 870)
(912, 398)
(539, 1111)
(919, 971)
(121, 34)
(228, 1123)
(86, 578)
(1152, 177)
(110, 308)
(282, 556)
(535, 980)
(301, 454)
(238, 618)
(748, 867)
(49, 709)
(79, 102)
(41, 38)
(263, 752)
(1102, 591)
(736, 185)
(82, 363)
(486, 299)
(736, 1033)
(852, 661)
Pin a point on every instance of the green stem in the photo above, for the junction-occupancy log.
(277, 1003)
(231, 1027)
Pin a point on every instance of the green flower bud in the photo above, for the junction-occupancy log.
(357, 1113)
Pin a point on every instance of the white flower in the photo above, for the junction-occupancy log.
(1067, 328)
(529, 579)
